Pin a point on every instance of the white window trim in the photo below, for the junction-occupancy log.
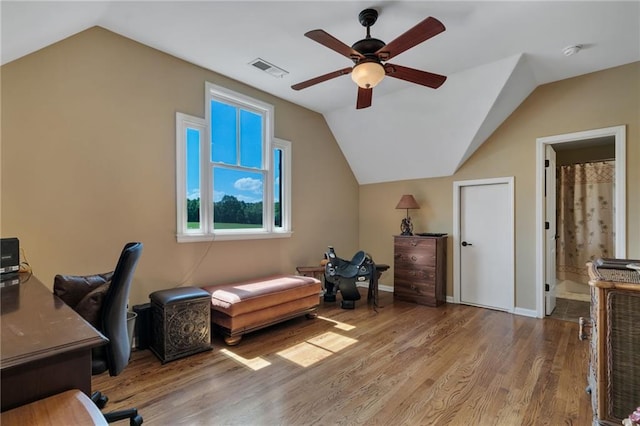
(183, 122)
(206, 231)
(285, 202)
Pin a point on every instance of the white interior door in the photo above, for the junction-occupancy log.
(486, 244)
(550, 229)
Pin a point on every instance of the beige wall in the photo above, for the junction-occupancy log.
(88, 163)
(603, 99)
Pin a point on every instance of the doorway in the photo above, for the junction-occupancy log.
(483, 241)
(580, 147)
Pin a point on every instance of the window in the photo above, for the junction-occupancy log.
(233, 176)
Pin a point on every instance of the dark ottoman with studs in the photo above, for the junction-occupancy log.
(180, 319)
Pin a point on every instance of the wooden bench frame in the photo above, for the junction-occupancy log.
(244, 307)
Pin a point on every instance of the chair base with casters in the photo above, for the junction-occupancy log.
(100, 400)
(343, 275)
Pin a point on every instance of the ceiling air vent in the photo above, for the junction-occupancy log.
(265, 66)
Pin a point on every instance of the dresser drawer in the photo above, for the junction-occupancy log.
(420, 293)
(411, 257)
(419, 242)
(422, 274)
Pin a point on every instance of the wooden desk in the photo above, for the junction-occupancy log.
(45, 345)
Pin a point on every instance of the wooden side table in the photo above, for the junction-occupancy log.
(318, 271)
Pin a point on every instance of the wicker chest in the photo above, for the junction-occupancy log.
(419, 265)
(614, 364)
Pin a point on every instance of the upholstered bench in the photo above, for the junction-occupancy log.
(239, 308)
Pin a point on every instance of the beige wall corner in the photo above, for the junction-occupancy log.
(602, 99)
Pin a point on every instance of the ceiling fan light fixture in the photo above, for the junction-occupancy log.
(368, 74)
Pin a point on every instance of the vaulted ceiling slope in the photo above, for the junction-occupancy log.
(494, 54)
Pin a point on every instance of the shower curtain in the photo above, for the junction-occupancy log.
(585, 220)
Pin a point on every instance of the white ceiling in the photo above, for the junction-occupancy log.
(494, 54)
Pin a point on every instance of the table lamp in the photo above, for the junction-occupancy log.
(407, 202)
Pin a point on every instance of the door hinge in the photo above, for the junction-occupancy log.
(546, 287)
(546, 163)
(546, 225)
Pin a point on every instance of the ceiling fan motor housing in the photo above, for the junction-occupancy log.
(368, 47)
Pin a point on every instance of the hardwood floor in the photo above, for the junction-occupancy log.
(405, 365)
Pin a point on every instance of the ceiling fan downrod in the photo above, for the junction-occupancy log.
(368, 45)
(367, 18)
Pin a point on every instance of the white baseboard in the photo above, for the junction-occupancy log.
(381, 287)
(526, 312)
(517, 311)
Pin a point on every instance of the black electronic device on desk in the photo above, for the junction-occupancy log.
(431, 234)
(7, 280)
(9, 261)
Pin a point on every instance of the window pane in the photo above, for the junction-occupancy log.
(277, 187)
(250, 139)
(193, 178)
(223, 133)
(237, 198)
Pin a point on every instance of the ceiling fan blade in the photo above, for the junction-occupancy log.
(333, 43)
(423, 31)
(423, 78)
(320, 79)
(364, 98)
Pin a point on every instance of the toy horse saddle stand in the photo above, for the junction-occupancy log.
(342, 275)
(345, 269)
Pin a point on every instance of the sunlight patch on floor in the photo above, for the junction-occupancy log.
(316, 349)
(255, 363)
(306, 353)
(341, 325)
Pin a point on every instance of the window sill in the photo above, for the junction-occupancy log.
(230, 236)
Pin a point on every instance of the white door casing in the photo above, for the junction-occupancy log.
(619, 133)
(550, 230)
(484, 272)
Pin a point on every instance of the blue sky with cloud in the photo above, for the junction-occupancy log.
(244, 184)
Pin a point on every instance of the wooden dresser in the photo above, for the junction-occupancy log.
(614, 363)
(419, 269)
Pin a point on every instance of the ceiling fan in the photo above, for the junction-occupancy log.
(370, 55)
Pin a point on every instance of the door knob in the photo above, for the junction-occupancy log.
(464, 244)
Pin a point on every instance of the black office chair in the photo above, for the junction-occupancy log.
(102, 300)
